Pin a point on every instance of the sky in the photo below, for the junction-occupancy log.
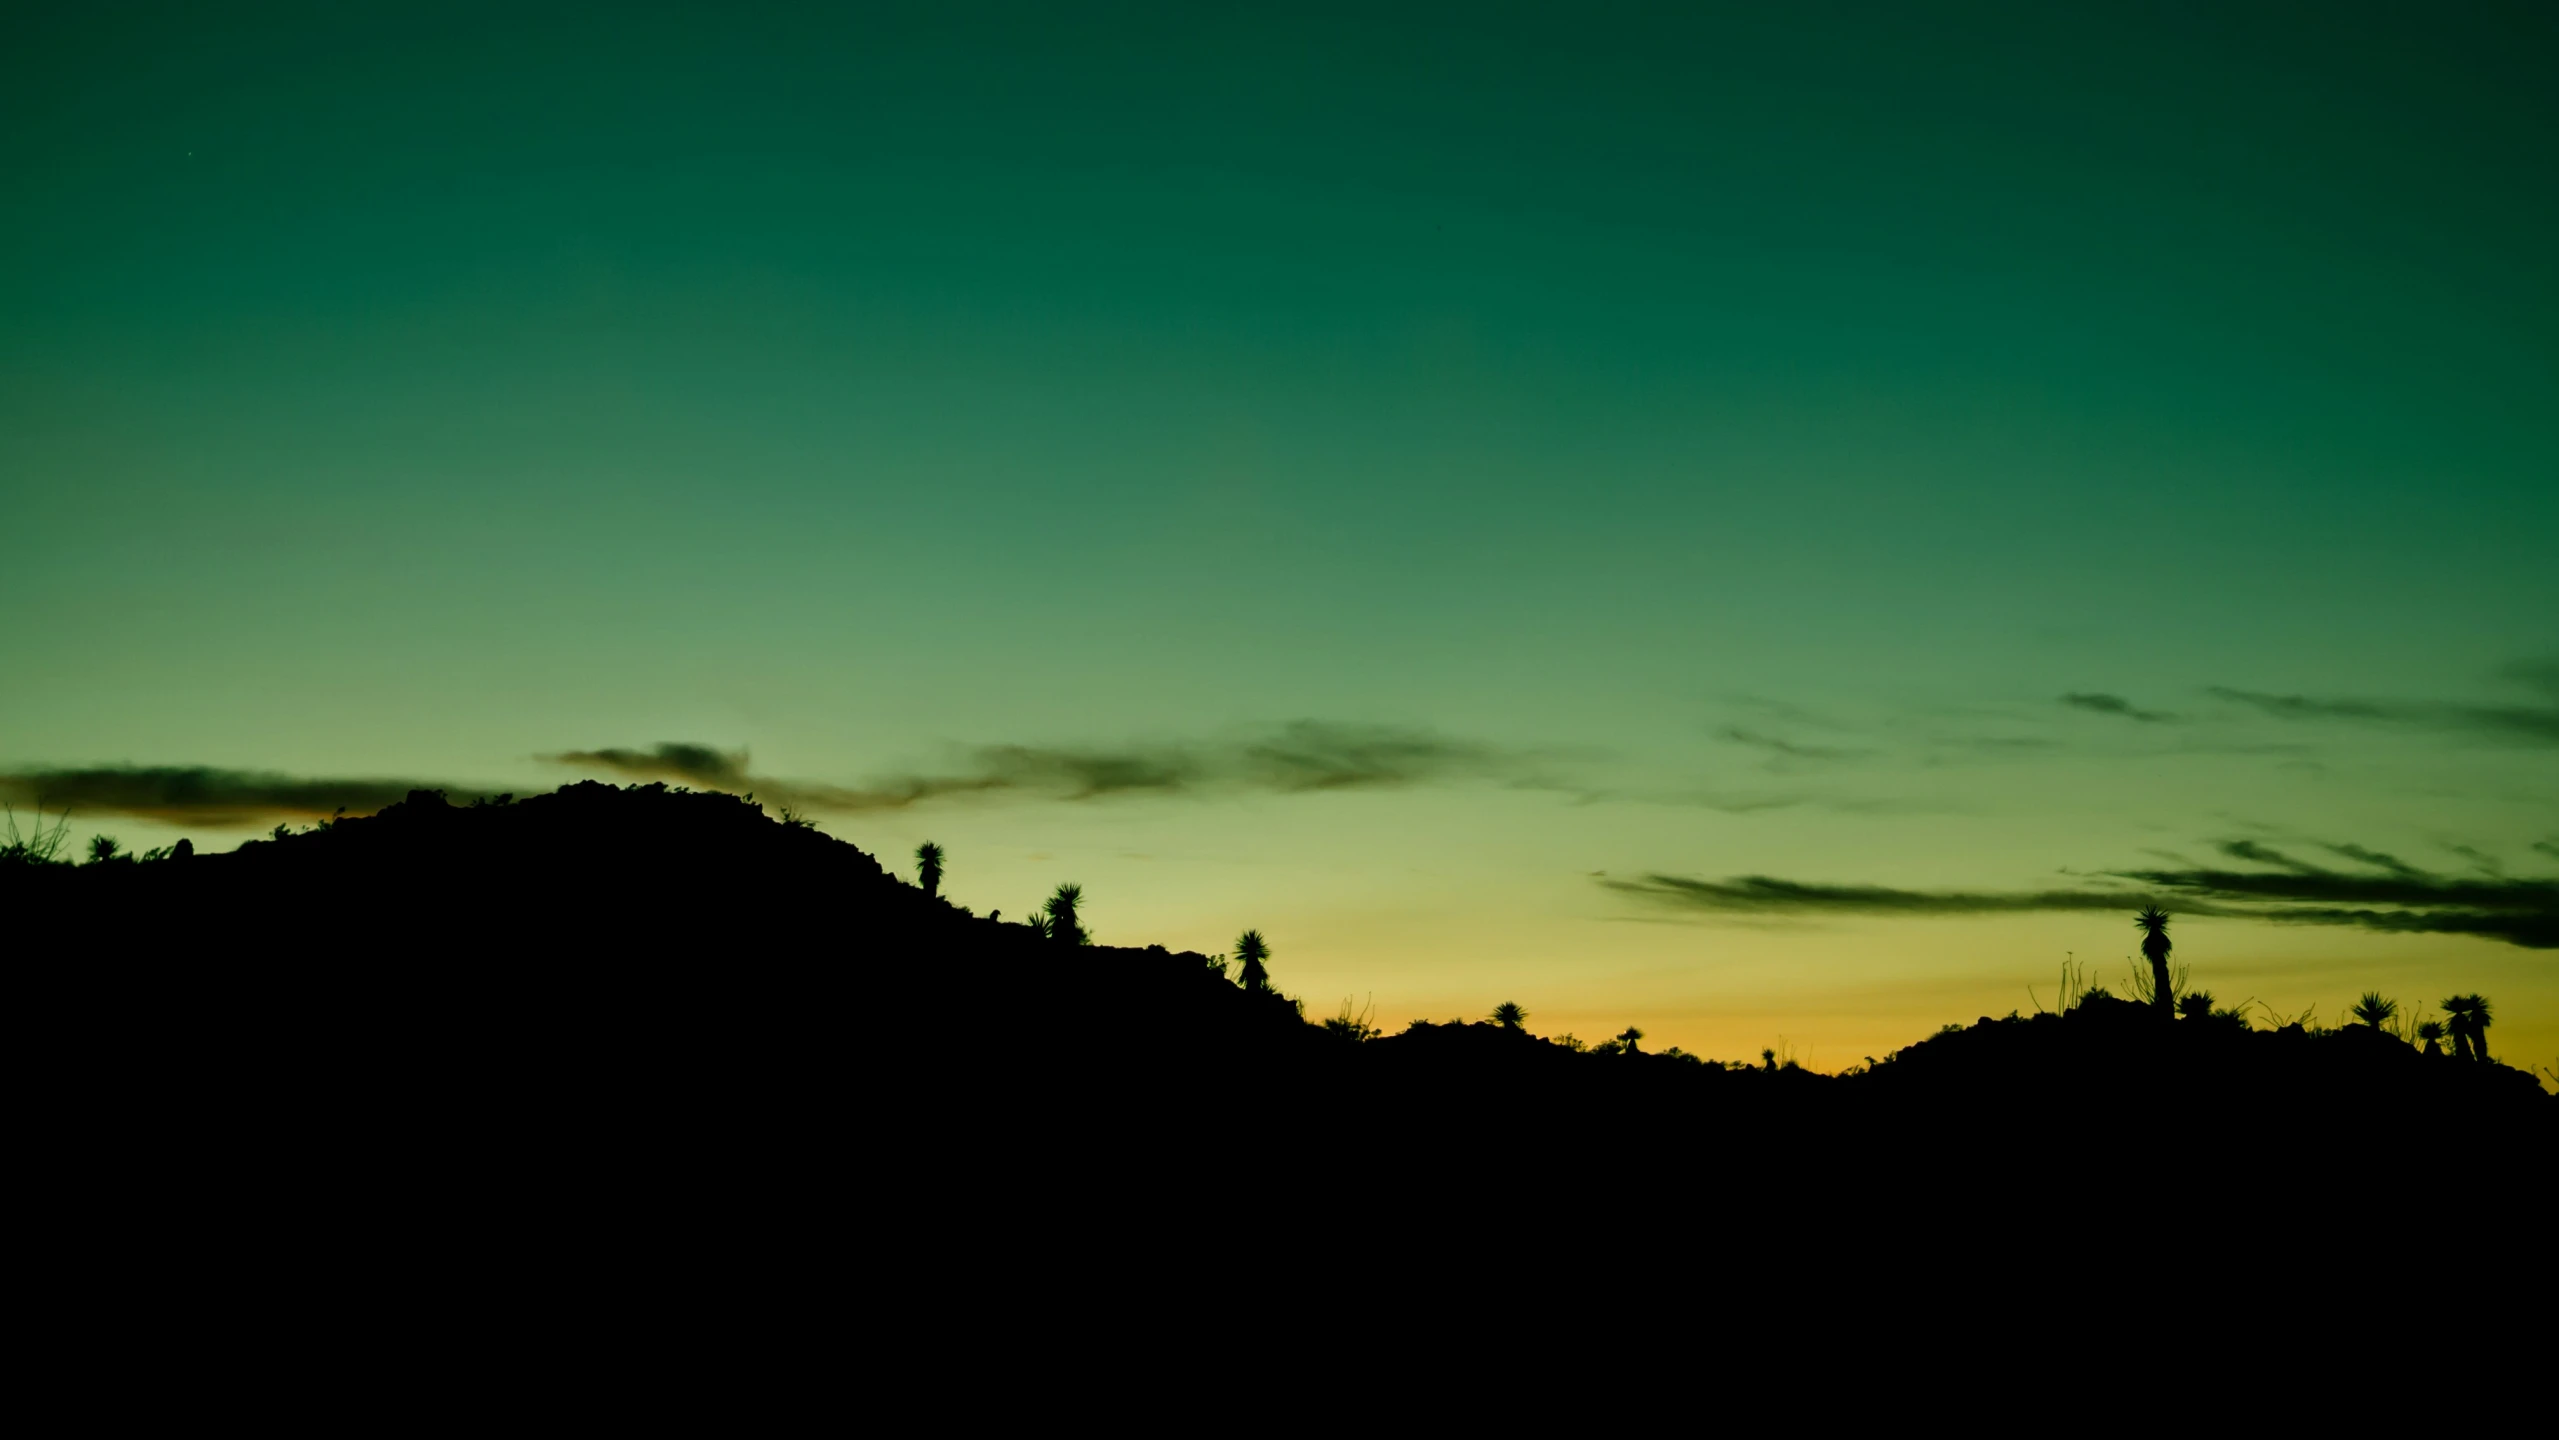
(1773, 525)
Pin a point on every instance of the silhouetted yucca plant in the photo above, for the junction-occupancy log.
(1252, 953)
(1063, 926)
(2471, 1017)
(2373, 1011)
(2155, 945)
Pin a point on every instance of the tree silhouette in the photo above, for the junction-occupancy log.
(1250, 952)
(928, 867)
(2374, 1011)
(1509, 1016)
(2153, 923)
(1632, 1039)
(2431, 1031)
(1062, 925)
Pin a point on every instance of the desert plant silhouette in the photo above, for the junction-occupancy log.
(1251, 951)
(2469, 1026)
(2373, 1011)
(2195, 1005)
(2431, 1031)
(1063, 926)
(103, 848)
(1509, 1016)
(928, 867)
(1356, 1023)
(1632, 1039)
(40, 846)
(2153, 923)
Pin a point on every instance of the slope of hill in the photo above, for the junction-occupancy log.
(627, 972)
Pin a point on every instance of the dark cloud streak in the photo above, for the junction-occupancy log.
(201, 794)
(673, 760)
(1764, 894)
(1303, 756)
(2391, 863)
(2104, 704)
(2405, 900)
(2526, 723)
(1787, 749)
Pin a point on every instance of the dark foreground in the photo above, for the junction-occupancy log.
(605, 1011)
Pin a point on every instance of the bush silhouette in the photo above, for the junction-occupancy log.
(1509, 1016)
(1355, 1025)
(928, 867)
(2374, 1012)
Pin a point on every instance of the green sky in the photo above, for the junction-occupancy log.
(1395, 476)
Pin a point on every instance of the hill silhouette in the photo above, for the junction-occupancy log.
(607, 981)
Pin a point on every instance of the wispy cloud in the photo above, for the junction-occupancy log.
(2541, 675)
(2400, 899)
(2377, 858)
(1786, 749)
(2100, 703)
(1300, 757)
(1766, 894)
(200, 794)
(2256, 854)
(673, 760)
(2530, 724)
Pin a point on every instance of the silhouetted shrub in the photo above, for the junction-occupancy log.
(1357, 1026)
